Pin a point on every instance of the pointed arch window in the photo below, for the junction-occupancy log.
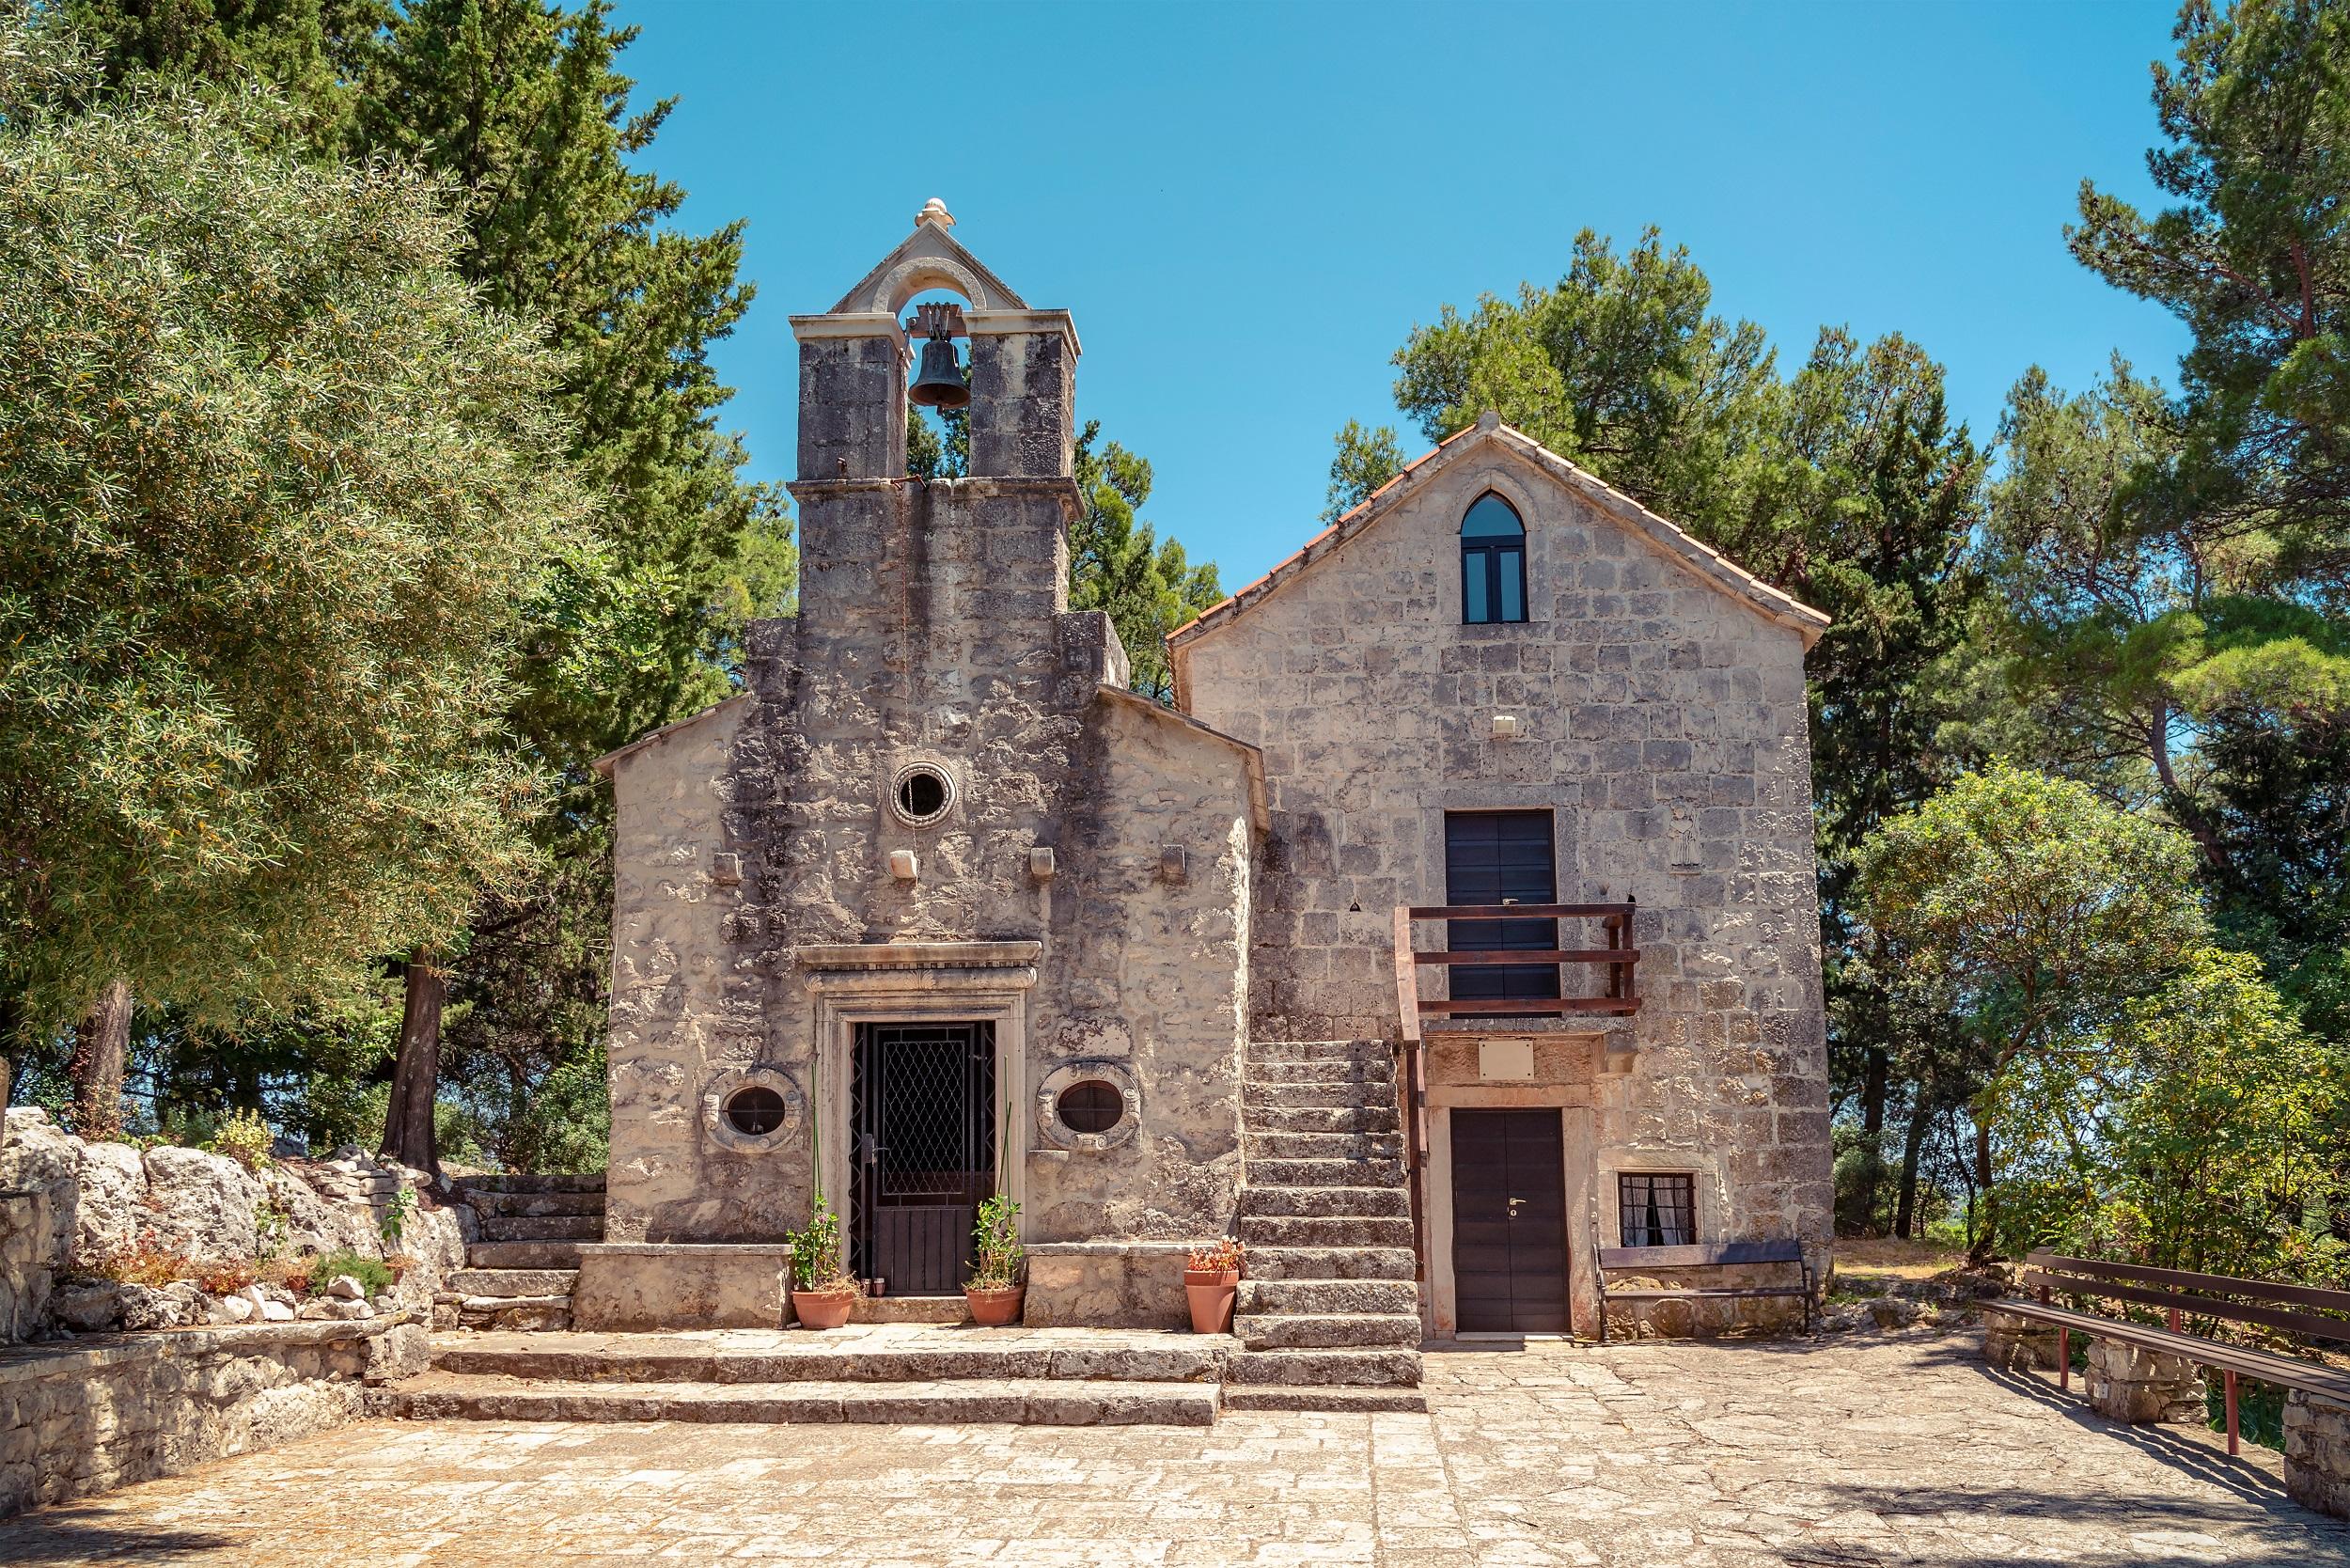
(1493, 562)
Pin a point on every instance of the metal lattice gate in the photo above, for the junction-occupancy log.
(922, 1109)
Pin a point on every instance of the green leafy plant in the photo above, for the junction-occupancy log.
(393, 1222)
(269, 1229)
(244, 1137)
(1000, 1259)
(816, 1262)
(373, 1275)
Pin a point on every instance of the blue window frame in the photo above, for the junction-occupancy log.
(1493, 562)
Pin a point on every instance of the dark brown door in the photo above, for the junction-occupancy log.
(922, 1104)
(1508, 1222)
(1492, 857)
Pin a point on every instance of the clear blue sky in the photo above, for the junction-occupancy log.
(1248, 207)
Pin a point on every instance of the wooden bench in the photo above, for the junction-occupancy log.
(1703, 1255)
(2180, 1294)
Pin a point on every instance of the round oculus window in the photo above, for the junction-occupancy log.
(755, 1110)
(923, 794)
(1091, 1106)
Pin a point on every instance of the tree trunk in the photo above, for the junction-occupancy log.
(1979, 1252)
(101, 1042)
(1905, 1205)
(408, 1134)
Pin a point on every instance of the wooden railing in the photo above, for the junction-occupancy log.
(1618, 957)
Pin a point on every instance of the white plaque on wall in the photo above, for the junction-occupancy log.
(1504, 1058)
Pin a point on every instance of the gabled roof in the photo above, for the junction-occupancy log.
(1707, 564)
(929, 257)
(610, 760)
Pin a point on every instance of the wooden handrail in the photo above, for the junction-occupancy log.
(1521, 911)
(1620, 959)
(1412, 1087)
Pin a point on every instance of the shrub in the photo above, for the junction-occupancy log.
(145, 1263)
(373, 1277)
(997, 1251)
(815, 1253)
(393, 1220)
(244, 1137)
(225, 1278)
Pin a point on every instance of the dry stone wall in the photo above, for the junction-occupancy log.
(1663, 726)
(77, 1419)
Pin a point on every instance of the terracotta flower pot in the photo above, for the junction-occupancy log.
(1211, 1293)
(822, 1309)
(995, 1309)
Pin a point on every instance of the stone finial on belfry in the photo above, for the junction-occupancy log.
(934, 210)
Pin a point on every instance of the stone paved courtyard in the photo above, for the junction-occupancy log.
(1830, 1455)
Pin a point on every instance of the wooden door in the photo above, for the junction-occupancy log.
(1491, 857)
(1508, 1222)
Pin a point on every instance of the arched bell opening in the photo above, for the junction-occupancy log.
(938, 388)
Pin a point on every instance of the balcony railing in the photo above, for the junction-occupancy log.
(1618, 957)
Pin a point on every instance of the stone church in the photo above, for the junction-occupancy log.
(937, 907)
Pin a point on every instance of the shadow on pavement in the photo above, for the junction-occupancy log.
(69, 1535)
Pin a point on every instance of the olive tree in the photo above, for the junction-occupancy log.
(278, 499)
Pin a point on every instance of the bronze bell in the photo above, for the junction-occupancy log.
(940, 382)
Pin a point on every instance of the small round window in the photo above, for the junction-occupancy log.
(755, 1111)
(1091, 1106)
(923, 794)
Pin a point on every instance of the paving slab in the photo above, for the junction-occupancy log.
(1864, 1451)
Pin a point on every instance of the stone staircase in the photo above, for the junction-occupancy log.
(1328, 1313)
(520, 1274)
(924, 1374)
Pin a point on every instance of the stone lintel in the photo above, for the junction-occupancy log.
(861, 324)
(998, 323)
(923, 956)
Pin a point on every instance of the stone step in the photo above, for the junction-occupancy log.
(1272, 1262)
(1325, 1146)
(816, 1358)
(512, 1282)
(527, 1181)
(443, 1396)
(489, 1203)
(1326, 1174)
(1331, 1202)
(1329, 1368)
(513, 1314)
(1260, 1296)
(522, 1254)
(1327, 1095)
(1378, 1073)
(1369, 1401)
(1257, 1120)
(1315, 1050)
(538, 1228)
(1326, 1331)
(1257, 1230)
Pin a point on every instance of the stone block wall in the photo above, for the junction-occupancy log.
(2317, 1452)
(77, 1419)
(1662, 725)
(933, 631)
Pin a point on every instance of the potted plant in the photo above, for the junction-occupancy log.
(1211, 1281)
(994, 1292)
(822, 1291)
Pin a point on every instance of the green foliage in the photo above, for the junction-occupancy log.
(1118, 563)
(2254, 258)
(278, 499)
(1366, 459)
(392, 1223)
(373, 1275)
(244, 1137)
(816, 1255)
(997, 1257)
